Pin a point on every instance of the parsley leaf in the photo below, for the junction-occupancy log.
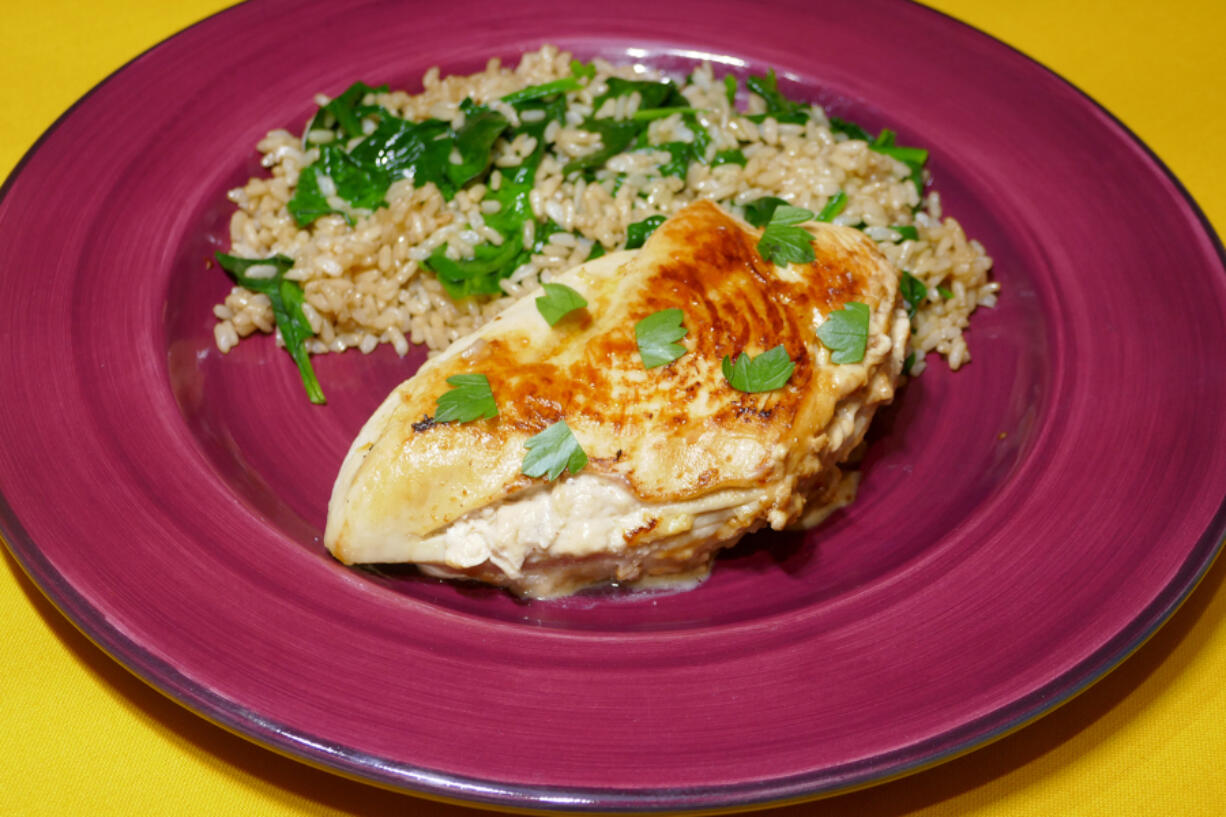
(655, 335)
(287, 299)
(845, 332)
(768, 371)
(469, 399)
(558, 301)
(784, 243)
(638, 232)
(553, 451)
(914, 292)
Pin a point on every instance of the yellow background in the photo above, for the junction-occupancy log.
(80, 735)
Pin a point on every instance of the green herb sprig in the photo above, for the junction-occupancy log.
(558, 301)
(768, 371)
(470, 398)
(553, 451)
(656, 336)
(782, 241)
(845, 332)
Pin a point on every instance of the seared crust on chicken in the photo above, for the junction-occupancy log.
(680, 463)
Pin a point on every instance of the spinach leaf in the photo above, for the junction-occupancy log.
(638, 232)
(615, 136)
(729, 157)
(914, 292)
(884, 143)
(759, 211)
(474, 142)
(836, 205)
(652, 94)
(287, 298)
(851, 129)
(480, 275)
(359, 183)
(349, 110)
(730, 86)
(778, 107)
(532, 92)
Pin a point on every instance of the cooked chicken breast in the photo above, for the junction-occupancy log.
(680, 464)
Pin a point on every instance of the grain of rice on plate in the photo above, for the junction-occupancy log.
(363, 273)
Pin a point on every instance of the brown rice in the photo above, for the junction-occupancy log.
(364, 284)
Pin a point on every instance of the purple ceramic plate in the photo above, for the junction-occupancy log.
(1023, 524)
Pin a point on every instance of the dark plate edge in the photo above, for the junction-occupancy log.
(473, 792)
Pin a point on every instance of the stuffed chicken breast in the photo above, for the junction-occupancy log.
(655, 468)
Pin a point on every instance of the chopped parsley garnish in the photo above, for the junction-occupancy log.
(782, 241)
(914, 292)
(638, 232)
(553, 451)
(287, 298)
(656, 335)
(470, 398)
(558, 301)
(845, 332)
(768, 371)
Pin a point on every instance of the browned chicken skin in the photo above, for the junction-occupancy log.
(680, 463)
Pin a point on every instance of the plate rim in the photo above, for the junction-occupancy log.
(463, 790)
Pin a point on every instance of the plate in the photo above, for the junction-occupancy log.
(1023, 525)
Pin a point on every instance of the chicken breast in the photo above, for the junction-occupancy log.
(680, 464)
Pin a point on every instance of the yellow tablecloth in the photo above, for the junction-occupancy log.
(80, 735)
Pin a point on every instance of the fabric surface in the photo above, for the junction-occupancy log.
(83, 736)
